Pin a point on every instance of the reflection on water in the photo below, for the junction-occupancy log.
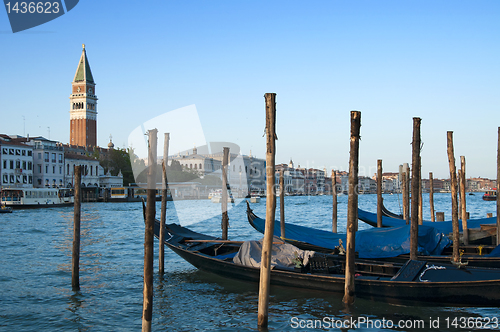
(35, 277)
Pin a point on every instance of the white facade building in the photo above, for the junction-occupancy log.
(16, 164)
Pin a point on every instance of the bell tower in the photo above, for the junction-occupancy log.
(83, 103)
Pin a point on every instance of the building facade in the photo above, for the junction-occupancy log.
(16, 164)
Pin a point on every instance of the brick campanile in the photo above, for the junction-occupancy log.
(83, 101)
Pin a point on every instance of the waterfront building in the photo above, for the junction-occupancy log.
(48, 161)
(90, 170)
(83, 106)
(244, 173)
(16, 163)
(202, 164)
(110, 181)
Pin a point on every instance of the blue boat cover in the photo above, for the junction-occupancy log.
(495, 252)
(442, 226)
(370, 243)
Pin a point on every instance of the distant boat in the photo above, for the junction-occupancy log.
(5, 209)
(490, 195)
(254, 198)
(30, 198)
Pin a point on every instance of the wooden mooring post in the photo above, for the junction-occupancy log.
(439, 216)
(498, 188)
(380, 201)
(163, 217)
(334, 201)
(408, 195)
(225, 216)
(75, 261)
(352, 209)
(463, 200)
(282, 203)
(147, 309)
(415, 184)
(431, 196)
(454, 204)
(265, 265)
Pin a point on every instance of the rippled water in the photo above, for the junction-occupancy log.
(35, 272)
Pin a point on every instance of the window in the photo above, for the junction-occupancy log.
(39, 168)
(39, 155)
(11, 152)
(30, 179)
(53, 157)
(23, 152)
(53, 170)
(91, 172)
(11, 178)
(24, 164)
(30, 153)
(5, 151)
(39, 182)
(60, 169)
(67, 169)
(30, 165)
(5, 164)
(60, 158)
(18, 164)
(11, 164)
(25, 179)
(18, 152)
(200, 165)
(46, 156)
(5, 178)
(46, 169)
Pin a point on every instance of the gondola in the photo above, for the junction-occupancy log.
(387, 244)
(415, 282)
(443, 226)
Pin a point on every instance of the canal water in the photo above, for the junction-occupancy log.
(35, 274)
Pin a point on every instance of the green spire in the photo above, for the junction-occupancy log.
(83, 72)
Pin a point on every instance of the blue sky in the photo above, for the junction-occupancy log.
(391, 60)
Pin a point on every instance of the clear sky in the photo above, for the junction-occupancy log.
(391, 60)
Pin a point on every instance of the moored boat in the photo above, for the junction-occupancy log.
(388, 244)
(29, 198)
(415, 282)
(490, 195)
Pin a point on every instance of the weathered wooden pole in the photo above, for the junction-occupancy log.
(380, 202)
(334, 201)
(225, 216)
(352, 209)
(498, 188)
(75, 262)
(282, 202)
(265, 265)
(463, 203)
(415, 184)
(454, 204)
(147, 308)
(439, 216)
(163, 218)
(404, 191)
(431, 195)
(408, 194)
(420, 208)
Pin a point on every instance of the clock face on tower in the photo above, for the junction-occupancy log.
(90, 90)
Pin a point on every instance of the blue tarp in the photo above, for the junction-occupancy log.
(371, 243)
(442, 226)
(495, 252)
